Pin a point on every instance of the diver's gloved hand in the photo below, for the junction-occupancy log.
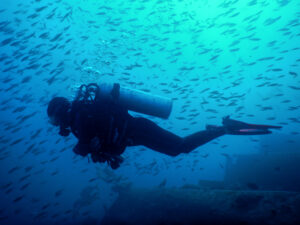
(241, 128)
(113, 161)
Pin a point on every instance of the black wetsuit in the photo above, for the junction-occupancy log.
(106, 127)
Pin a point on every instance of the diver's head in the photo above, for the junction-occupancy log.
(58, 112)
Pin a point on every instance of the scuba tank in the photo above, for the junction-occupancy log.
(137, 101)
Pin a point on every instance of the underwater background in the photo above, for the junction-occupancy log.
(211, 57)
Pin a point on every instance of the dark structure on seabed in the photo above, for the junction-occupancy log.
(275, 168)
(257, 189)
(199, 206)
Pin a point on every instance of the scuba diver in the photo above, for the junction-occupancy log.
(99, 119)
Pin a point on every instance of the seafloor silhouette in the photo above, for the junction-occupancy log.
(192, 205)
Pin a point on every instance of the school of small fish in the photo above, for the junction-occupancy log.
(212, 58)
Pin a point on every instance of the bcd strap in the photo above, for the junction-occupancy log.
(115, 92)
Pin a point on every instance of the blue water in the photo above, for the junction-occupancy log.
(212, 58)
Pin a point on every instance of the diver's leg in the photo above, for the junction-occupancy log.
(199, 138)
(147, 133)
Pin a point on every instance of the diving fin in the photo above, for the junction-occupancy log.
(241, 128)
